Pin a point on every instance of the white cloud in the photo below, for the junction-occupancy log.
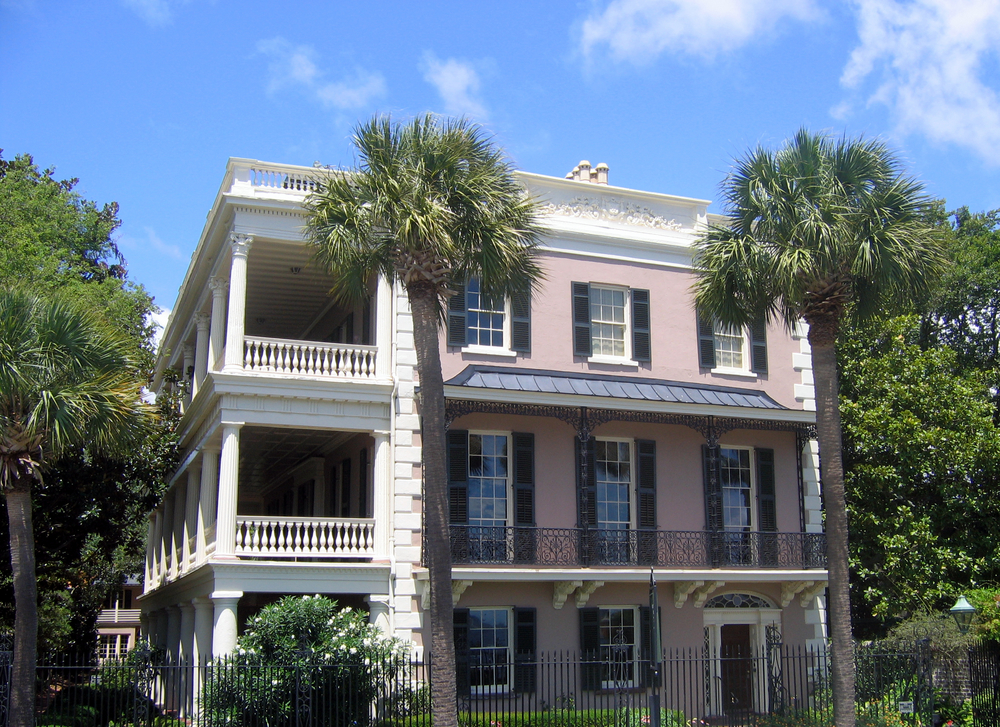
(925, 60)
(160, 246)
(457, 83)
(295, 66)
(155, 12)
(640, 30)
(160, 319)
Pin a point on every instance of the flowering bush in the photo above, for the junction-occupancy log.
(303, 656)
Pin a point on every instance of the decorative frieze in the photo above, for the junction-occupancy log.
(610, 209)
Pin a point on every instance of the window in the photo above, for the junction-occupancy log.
(729, 350)
(112, 646)
(491, 491)
(495, 650)
(482, 323)
(614, 490)
(611, 323)
(740, 505)
(617, 505)
(617, 646)
(488, 483)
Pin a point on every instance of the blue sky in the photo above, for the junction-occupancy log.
(144, 100)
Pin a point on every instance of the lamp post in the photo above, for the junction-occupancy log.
(962, 612)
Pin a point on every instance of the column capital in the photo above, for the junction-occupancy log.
(241, 243)
(224, 596)
(218, 285)
(188, 350)
(202, 320)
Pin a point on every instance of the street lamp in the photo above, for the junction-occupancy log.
(962, 612)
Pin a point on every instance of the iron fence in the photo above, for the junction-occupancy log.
(776, 687)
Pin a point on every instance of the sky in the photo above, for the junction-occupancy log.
(145, 100)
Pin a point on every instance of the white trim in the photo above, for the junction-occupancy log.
(493, 689)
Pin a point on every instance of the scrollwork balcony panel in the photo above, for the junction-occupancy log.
(573, 547)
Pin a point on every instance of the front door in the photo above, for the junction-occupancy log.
(737, 668)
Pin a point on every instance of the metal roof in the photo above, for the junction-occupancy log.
(613, 387)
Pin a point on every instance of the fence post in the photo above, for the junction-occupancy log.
(924, 696)
(140, 684)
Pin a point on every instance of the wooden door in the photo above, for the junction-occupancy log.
(737, 668)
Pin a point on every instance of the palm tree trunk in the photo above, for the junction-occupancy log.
(824, 357)
(436, 535)
(22, 560)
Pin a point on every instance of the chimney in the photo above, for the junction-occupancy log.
(583, 172)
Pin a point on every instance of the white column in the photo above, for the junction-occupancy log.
(229, 474)
(173, 640)
(190, 514)
(382, 504)
(216, 338)
(150, 552)
(378, 613)
(236, 320)
(177, 529)
(206, 502)
(187, 376)
(201, 321)
(166, 522)
(383, 327)
(204, 624)
(144, 625)
(185, 659)
(224, 631)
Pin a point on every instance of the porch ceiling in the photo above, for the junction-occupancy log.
(282, 303)
(267, 453)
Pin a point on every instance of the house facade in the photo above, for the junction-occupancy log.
(600, 430)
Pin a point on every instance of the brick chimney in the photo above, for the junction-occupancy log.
(582, 172)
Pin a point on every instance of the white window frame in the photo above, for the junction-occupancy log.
(754, 518)
(509, 490)
(636, 647)
(607, 358)
(478, 348)
(747, 349)
(632, 498)
(494, 689)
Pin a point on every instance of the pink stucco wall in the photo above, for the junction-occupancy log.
(674, 331)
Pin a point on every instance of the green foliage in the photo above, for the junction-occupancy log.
(987, 620)
(89, 511)
(303, 648)
(921, 454)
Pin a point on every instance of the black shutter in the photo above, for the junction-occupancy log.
(646, 676)
(758, 346)
(590, 645)
(581, 319)
(520, 322)
(706, 343)
(646, 497)
(458, 476)
(457, 333)
(462, 667)
(524, 497)
(641, 348)
(586, 490)
(525, 666)
(765, 490)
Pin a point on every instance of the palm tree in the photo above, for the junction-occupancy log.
(66, 380)
(432, 203)
(815, 231)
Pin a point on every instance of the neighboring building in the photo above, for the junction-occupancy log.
(598, 430)
(118, 621)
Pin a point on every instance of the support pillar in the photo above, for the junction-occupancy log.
(216, 339)
(166, 523)
(383, 327)
(229, 473)
(177, 529)
(185, 692)
(379, 613)
(187, 375)
(382, 499)
(224, 631)
(206, 501)
(201, 321)
(236, 320)
(190, 515)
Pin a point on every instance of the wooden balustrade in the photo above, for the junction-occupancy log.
(333, 360)
(306, 537)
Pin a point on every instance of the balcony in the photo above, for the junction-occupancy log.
(305, 537)
(309, 358)
(574, 547)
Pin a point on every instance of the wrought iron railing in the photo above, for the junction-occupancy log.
(567, 547)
